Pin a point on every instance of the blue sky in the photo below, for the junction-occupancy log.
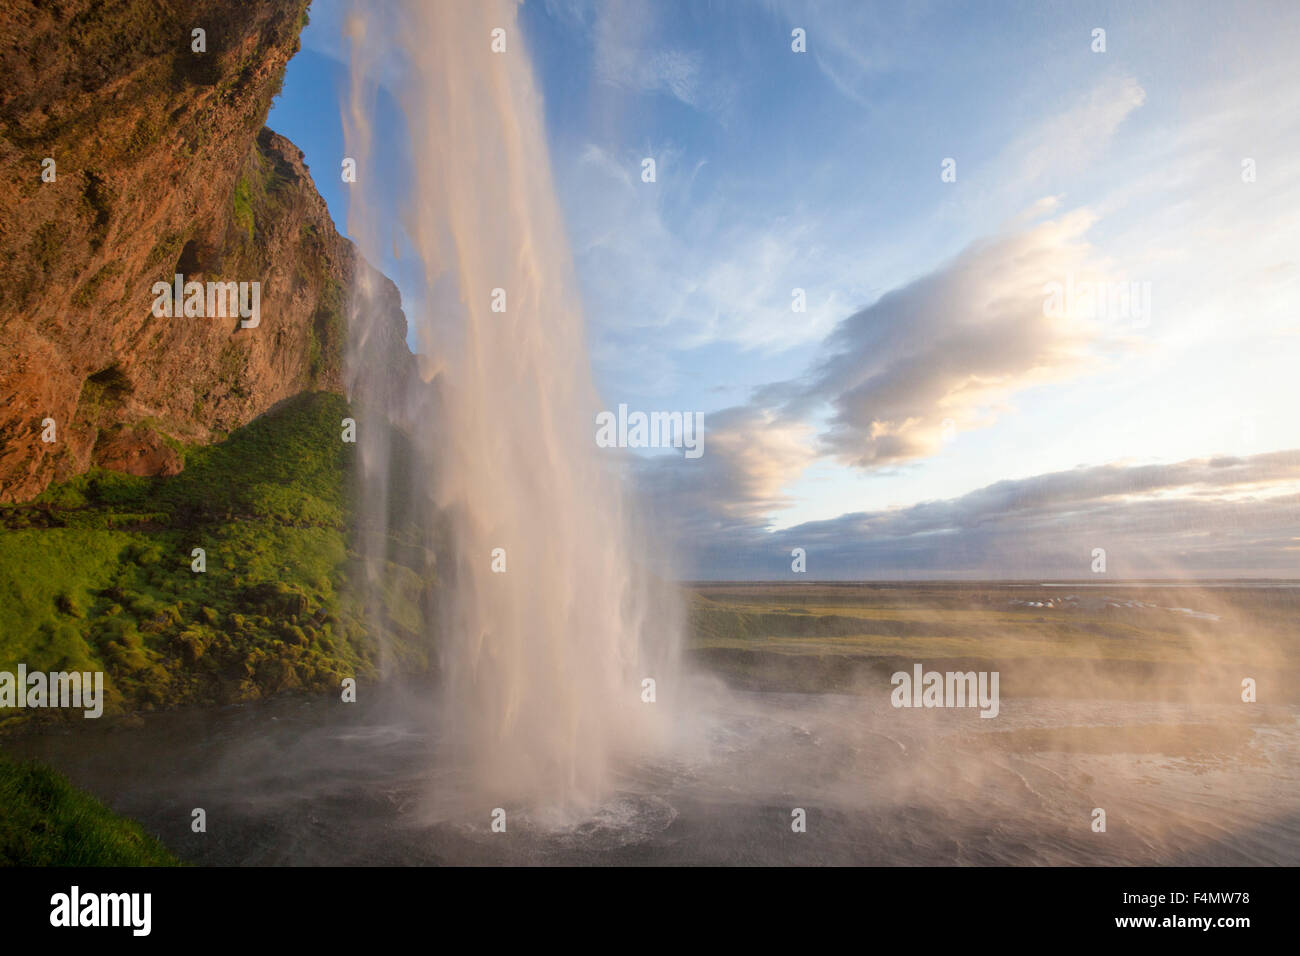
(924, 369)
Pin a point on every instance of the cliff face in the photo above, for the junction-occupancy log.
(160, 166)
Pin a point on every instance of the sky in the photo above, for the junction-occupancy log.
(945, 183)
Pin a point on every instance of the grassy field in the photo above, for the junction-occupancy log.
(1120, 641)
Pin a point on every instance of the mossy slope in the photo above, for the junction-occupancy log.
(97, 573)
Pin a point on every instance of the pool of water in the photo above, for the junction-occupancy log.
(313, 782)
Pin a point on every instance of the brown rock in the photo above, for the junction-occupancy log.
(137, 451)
(162, 166)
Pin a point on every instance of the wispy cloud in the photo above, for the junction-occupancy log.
(1071, 139)
(632, 52)
(668, 259)
(854, 44)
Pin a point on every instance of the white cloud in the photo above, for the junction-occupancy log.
(949, 349)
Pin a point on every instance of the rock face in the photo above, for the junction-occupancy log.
(160, 165)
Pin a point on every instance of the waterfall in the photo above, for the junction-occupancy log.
(551, 622)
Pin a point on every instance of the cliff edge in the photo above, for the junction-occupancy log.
(132, 150)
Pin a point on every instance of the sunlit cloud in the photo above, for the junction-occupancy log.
(947, 350)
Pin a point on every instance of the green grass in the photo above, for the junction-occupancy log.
(923, 632)
(261, 192)
(328, 330)
(45, 821)
(819, 636)
(243, 201)
(97, 573)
